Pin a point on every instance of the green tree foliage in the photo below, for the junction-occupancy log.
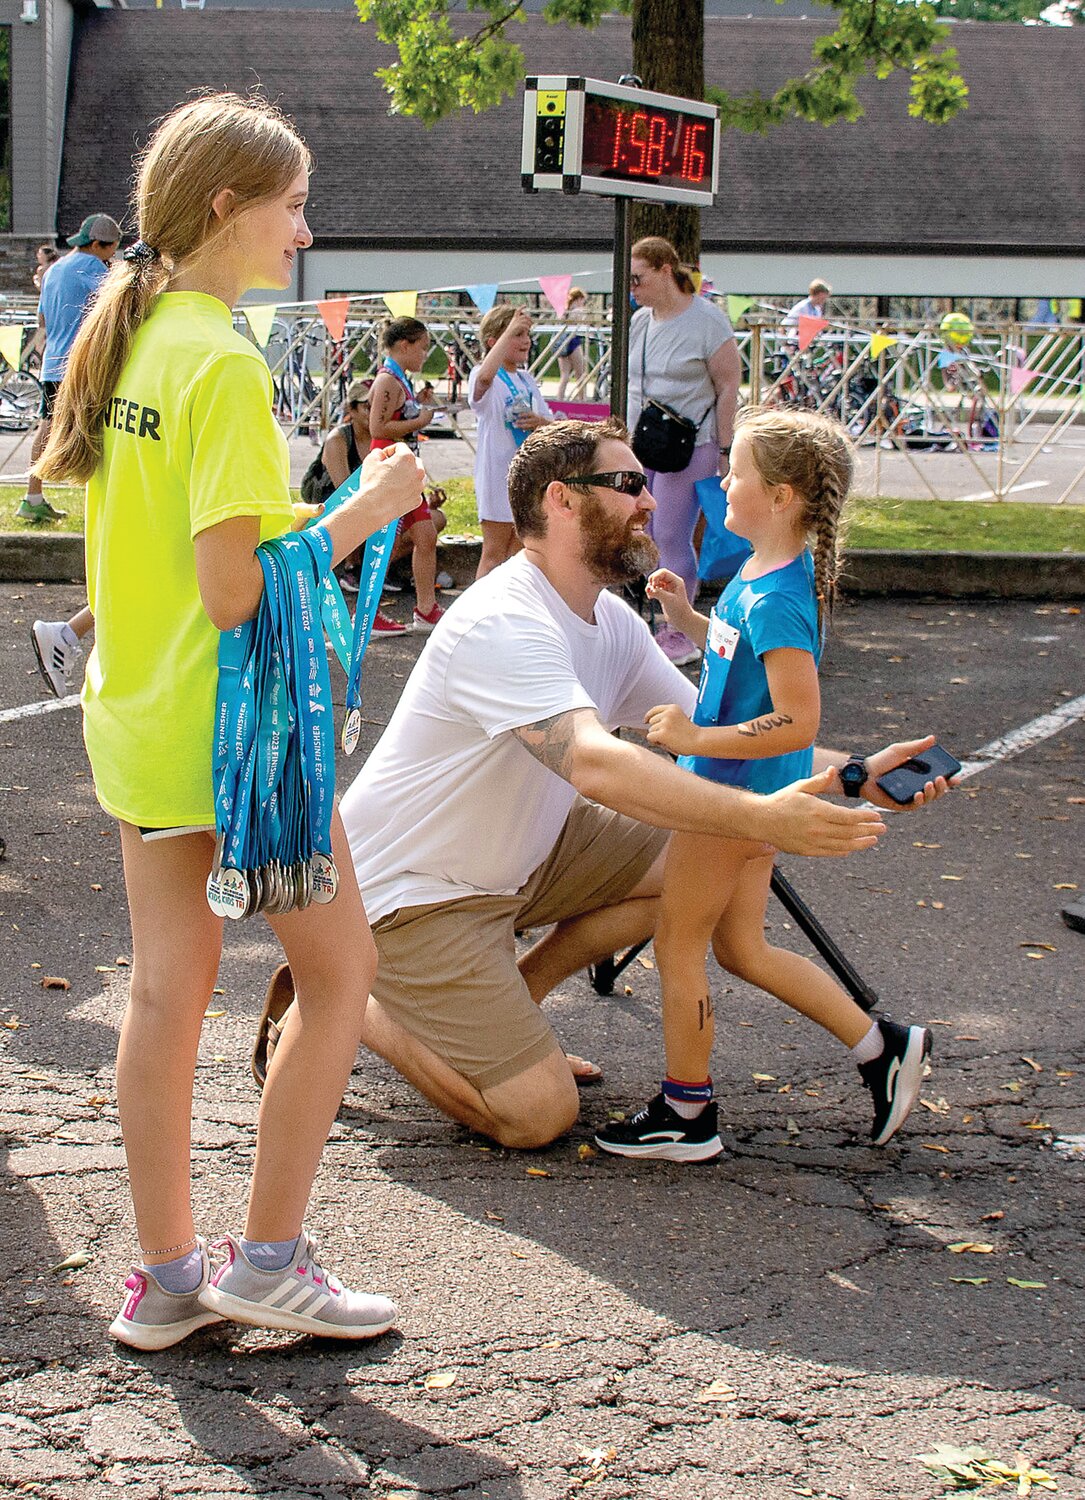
(441, 69)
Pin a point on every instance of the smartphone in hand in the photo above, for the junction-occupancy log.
(902, 783)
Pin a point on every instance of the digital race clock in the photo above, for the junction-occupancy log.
(585, 136)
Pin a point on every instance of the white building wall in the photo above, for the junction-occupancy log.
(327, 272)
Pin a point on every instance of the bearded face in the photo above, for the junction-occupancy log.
(615, 549)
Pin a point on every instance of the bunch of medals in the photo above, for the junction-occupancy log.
(274, 758)
(274, 763)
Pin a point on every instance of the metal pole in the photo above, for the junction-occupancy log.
(619, 333)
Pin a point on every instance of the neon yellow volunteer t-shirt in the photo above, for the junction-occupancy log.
(190, 440)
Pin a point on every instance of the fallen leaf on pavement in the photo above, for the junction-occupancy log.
(1033, 1064)
(719, 1390)
(586, 1152)
(537, 1172)
(439, 1380)
(213, 1015)
(74, 1262)
(971, 1280)
(1029, 1286)
(993, 1216)
(930, 1146)
(763, 1077)
(644, 961)
(971, 1247)
(54, 982)
(1047, 947)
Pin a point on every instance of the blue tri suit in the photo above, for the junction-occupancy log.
(776, 611)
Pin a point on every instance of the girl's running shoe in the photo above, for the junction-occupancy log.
(153, 1318)
(302, 1297)
(895, 1078)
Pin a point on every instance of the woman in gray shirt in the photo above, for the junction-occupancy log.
(682, 353)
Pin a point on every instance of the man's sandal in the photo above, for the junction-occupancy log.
(584, 1072)
(280, 997)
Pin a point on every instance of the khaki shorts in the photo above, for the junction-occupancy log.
(447, 972)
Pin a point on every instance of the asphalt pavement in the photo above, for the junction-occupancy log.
(796, 1318)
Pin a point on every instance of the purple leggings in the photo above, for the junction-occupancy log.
(676, 512)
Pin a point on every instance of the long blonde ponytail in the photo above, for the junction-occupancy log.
(214, 142)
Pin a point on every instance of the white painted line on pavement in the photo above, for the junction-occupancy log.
(46, 706)
(1020, 740)
(1014, 489)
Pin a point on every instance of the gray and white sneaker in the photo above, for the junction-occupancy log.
(153, 1318)
(56, 657)
(302, 1297)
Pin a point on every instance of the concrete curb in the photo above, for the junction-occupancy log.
(32, 557)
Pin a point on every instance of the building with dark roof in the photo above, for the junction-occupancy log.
(990, 204)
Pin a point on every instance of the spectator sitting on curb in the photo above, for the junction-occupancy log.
(498, 799)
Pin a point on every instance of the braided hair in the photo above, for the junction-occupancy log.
(814, 455)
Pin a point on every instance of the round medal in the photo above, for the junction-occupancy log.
(352, 731)
(325, 878)
(233, 893)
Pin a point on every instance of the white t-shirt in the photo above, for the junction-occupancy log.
(450, 804)
(807, 308)
(676, 362)
(495, 444)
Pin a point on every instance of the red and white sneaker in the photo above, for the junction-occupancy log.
(384, 625)
(425, 623)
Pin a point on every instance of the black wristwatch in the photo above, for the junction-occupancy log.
(853, 776)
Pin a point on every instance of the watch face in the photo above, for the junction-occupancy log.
(852, 777)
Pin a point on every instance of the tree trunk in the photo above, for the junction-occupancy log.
(668, 56)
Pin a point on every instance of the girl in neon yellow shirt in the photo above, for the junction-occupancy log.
(166, 412)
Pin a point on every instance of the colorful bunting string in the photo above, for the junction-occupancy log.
(556, 291)
(809, 328)
(483, 295)
(334, 312)
(879, 342)
(260, 319)
(736, 306)
(1020, 377)
(11, 343)
(401, 304)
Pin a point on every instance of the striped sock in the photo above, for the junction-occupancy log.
(687, 1099)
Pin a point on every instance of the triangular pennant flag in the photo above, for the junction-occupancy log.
(809, 328)
(556, 291)
(736, 306)
(948, 357)
(1020, 377)
(401, 304)
(334, 312)
(697, 277)
(260, 319)
(880, 342)
(11, 344)
(483, 295)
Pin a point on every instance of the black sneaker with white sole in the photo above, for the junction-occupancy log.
(894, 1078)
(659, 1131)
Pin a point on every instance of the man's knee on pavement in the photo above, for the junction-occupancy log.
(536, 1106)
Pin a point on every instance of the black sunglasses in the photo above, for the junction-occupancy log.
(625, 481)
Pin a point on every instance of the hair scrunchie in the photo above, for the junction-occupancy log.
(141, 253)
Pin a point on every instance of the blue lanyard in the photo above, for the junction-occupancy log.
(401, 375)
(375, 560)
(374, 570)
(273, 760)
(520, 397)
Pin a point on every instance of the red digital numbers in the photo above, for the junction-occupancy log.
(693, 155)
(640, 146)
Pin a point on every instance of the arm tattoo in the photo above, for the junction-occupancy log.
(762, 726)
(551, 741)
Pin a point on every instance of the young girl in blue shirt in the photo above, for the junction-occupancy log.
(754, 725)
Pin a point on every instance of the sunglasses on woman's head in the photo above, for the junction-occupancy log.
(625, 481)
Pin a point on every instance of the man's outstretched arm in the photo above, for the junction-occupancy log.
(633, 780)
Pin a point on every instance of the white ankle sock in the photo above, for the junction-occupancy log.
(869, 1047)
